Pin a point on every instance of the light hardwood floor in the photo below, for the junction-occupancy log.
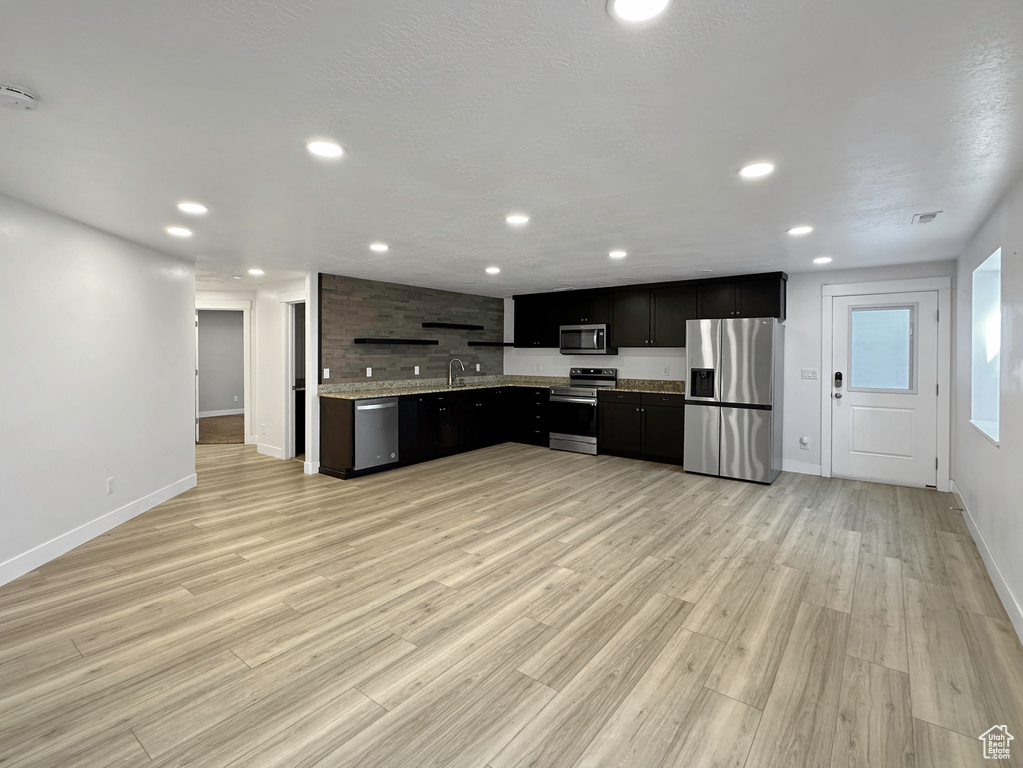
(512, 607)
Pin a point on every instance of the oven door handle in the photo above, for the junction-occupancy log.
(577, 400)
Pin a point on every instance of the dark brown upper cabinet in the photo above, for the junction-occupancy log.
(762, 297)
(577, 307)
(652, 317)
(535, 321)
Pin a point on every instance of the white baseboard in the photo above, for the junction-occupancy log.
(270, 450)
(21, 564)
(311, 467)
(800, 467)
(1012, 605)
(230, 412)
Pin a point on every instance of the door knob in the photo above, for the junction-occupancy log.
(838, 395)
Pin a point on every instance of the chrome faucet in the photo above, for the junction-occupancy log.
(451, 372)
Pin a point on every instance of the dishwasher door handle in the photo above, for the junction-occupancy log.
(375, 406)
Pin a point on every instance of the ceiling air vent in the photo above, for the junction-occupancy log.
(16, 97)
(926, 218)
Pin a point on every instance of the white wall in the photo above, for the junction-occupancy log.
(221, 362)
(631, 363)
(802, 414)
(98, 345)
(272, 390)
(986, 474)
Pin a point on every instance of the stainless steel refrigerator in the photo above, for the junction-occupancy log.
(733, 398)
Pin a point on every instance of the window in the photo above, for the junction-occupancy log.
(881, 349)
(987, 343)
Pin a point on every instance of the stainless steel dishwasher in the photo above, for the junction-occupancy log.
(376, 432)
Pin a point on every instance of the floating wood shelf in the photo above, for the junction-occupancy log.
(454, 326)
(491, 344)
(396, 341)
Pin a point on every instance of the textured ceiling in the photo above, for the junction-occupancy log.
(456, 113)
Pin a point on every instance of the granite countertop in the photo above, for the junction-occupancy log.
(362, 391)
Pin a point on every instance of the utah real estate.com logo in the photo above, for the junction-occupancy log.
(996, 742)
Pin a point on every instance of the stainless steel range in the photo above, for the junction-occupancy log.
(573, 411)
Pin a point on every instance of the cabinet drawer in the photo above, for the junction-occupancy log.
(667, 398)
(619, 397)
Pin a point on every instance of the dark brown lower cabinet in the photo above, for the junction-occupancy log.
(642, 425)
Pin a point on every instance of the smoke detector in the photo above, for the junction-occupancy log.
(926, 218)
(16, 97)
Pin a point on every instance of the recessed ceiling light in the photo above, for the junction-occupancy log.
(493, 270)
(256, 272)
(516, 218)
(757, 170)
(822, 260)
(326, 149)
(379, 247)
(618, 254)
(196, 209)
(636, 10)
(802, 229)
(704, 271)
(236, 277)
(179, 232)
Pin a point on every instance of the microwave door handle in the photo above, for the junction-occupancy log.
(596, 338)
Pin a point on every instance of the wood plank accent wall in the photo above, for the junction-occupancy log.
(352, 308)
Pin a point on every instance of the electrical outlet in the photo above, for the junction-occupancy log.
(326, 373)
(110, 485)
(236, 398)
(417, 370)
(539, 367)
(667, 371)
(808, 373)
(369, 373)
(477, 366)
(262, 429)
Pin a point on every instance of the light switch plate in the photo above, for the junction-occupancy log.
(369, 372)
(808, 373)
(477, 366)
(326, 373)
(417, 370)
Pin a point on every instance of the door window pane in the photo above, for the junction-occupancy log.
(881, 348)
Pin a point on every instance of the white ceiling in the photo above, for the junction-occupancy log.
(457, 112)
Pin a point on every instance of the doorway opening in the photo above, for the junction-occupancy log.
(220, 377)
(297, 376)
(885, 401)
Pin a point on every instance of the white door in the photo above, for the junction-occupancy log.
(884, 388)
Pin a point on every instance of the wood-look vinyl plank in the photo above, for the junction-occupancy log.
(575, 646)
(642, 729)
(875, 725)
(798, 724)
(718, 611)
(803, 541)
(699, 562)
(433, 656)
(269, 687)
(922, 557)
(308, 741)
(559, 734)
(877, 629)
(997, 658)
(834, 574)
(968, 578)
(716, 733)
(750, 660)
(881, 522)
(938, 747)
(328, 625)
(942, 679)
(465, 716)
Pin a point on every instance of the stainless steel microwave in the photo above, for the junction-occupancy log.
(590, 339)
